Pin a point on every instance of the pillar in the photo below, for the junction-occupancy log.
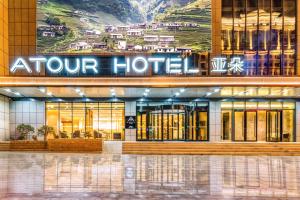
(214, 121)
(130, 111)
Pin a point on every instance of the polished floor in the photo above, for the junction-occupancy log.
(116, 176)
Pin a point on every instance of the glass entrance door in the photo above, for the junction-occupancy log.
(154, 127)
(274, 126)
(245, 128)
(239, 128)
(174, 124)
(197, 125)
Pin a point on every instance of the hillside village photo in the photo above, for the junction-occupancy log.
(124, 26)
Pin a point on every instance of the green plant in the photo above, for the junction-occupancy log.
(63, 134)
(45, 131)
(87, 134)
(24, 130)
(97, 134)
(76, 134)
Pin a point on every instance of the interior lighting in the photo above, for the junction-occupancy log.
(43, 90)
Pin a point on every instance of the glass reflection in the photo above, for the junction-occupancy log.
(89, 176)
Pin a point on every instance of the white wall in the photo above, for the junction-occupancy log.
(4, 118)
(26, 112)
(130, 110)
(214, 121)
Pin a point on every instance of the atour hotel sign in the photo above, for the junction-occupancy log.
(117, 65)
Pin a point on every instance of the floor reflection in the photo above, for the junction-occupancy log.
(45, 175)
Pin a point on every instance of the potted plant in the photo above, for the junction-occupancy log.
(97, 134)
(76, 134)
(24, 130)
(45, 131)
(87, 134)
(63, 134)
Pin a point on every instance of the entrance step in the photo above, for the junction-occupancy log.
(186, 148)
(112, 147)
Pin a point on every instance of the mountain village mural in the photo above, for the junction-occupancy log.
(106, 26)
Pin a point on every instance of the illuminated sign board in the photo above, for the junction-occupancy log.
(156, 64)
(236, 65)
(97, 66)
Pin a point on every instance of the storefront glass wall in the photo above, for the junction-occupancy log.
(258, 121)
(172, 121)
(263, 33)
(86, 120)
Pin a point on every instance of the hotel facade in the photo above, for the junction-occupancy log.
(245, 88)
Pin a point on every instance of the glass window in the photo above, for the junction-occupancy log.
(92, 120)
(289, 37)
(65, 114)
(105, 126)
(263, 33)
(288, 125)
(117, 121)
(52, 119)
(271, 121)
(78, 120)
(86, 120)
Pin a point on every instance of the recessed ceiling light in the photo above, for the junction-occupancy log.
(7, 90)
(77, 90)
(177, 94)
(81, 93)
(217, 90)
(43, 90)
(49, 93)
(113, 94)
(17, 93)
(182, 90)
(208, 94)
(145, 94)
(147, 90)
(112, 90)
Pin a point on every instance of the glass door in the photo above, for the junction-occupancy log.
(274, 126)
(239, 126)
(226, 125)
(245, 126)
(141, 121)
(251, 126)
(154, 128)
(198, 125)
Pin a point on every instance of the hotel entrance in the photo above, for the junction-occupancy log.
(175, 122)
(246, 128)
(258, 121)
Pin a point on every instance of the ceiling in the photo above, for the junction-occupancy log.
(121, 92)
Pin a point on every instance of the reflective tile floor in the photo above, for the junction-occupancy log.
(107, 176)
